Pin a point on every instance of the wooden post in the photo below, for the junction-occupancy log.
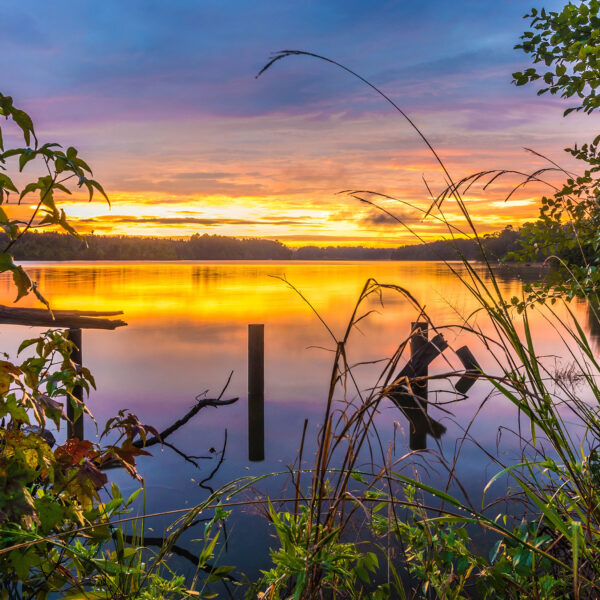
(473, 370)
(256, 392)
(75, 427)
(418, 340)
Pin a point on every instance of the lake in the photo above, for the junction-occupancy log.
(187, 330)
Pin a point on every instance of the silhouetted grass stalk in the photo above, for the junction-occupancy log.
(561, 487)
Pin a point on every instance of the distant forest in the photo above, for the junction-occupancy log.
(56, 246)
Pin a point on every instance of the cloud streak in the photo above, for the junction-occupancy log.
(204, 222)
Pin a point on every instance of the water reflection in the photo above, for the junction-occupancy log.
(593, 322)
(188, 329)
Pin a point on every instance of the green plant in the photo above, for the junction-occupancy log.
(306, 549)
(59, 167)
(45, 489)
(565, 42)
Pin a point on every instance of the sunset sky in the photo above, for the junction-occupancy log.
(161, 98)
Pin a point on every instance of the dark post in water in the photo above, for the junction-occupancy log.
(418, 433)
(256, 392)
(75, 427)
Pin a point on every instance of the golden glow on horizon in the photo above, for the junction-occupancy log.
(331, 224)
(279, 177)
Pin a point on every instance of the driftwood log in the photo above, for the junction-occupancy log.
(71, 319)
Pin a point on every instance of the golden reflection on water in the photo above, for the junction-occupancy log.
(192, 302)
(186, 301)
(180, 310)
(236, 291)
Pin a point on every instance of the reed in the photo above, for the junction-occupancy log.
(547, 539)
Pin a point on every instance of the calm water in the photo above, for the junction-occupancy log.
(187, 330)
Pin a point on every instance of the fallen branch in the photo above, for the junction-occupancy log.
(200, 404)
(41, 317)
(160, 438)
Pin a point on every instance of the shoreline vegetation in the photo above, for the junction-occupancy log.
(50, 246)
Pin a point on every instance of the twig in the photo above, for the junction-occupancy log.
(214, 471)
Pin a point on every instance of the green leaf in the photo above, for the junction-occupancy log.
(23, 120)
(6, 183)
(91, 184)
(30, 187)
(6, 262)
(49, 512)
(26, 344)
(25, 157)
(133, 496)
(20, 277)
(67, 226)
(22, 281)
(358, 477)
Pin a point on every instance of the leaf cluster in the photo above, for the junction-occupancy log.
(566, 46)
(59, 167)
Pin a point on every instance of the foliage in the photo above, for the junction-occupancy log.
(57, 511)
(444, 563)
(45, 490)
(568, 230)
(568, 226)
(130, 570)
(59, 166)
(567, 44)
(340, 568)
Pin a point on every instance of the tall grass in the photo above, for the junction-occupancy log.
(555, 551)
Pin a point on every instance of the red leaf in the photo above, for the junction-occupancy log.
(75, 450)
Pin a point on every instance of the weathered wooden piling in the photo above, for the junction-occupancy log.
(418, 430)
(256, 392)
(75, 426)
(409, 389)
(472, 370)
(410, 396)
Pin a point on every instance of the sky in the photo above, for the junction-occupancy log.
(161, 98)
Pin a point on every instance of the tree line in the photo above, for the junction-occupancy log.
(58, 246)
